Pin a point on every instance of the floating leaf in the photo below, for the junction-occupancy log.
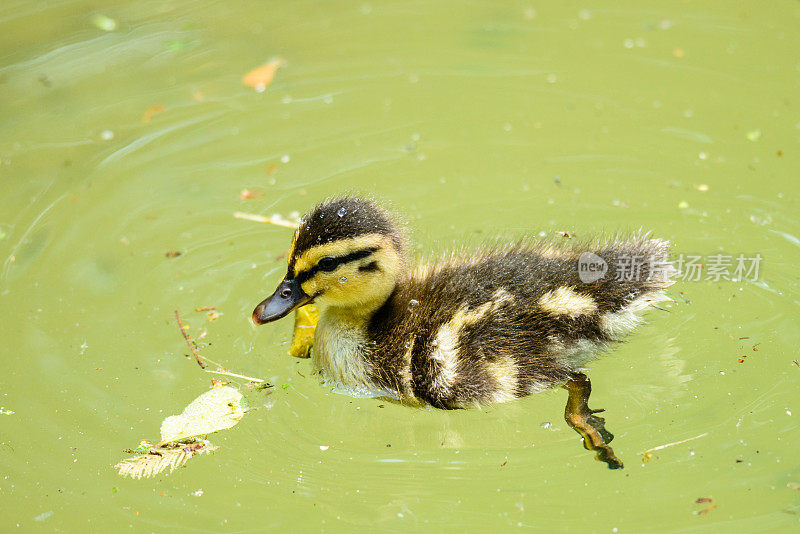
(305, 323)
(220, 408)
(103, 22)
(160, 458)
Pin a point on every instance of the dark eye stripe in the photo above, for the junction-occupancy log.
(353, 256)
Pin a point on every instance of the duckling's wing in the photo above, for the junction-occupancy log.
(520, 320)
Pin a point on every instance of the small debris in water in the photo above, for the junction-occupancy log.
(260, 78)
(155, 109)
(205, 308)
(172, 254)
(102, 22)
(793, 485)
(701, 187)
(247, 194)
(704, 511)
(198, 493)
(701, 500)
(189, 341)
(42, 517)
(547, 425)
(212, 316)
(754, 135)
(276, 219)
(324, 447)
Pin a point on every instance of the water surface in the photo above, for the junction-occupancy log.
(474, 120)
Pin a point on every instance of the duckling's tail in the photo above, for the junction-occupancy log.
(639, 272)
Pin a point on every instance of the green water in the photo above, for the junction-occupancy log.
(473, 119)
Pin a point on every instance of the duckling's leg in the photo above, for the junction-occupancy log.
(582, 419)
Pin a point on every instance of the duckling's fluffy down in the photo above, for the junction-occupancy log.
(511, 320)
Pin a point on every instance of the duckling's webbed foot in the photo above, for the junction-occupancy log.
(581, 418)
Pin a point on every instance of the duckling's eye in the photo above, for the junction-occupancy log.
(327, 264)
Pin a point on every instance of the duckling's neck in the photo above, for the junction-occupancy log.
(341, 345)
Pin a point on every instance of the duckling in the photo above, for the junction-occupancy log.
(471, 329)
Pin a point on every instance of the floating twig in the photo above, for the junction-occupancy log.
(674, 443)
(189, 341)
(264, 219)
(205, 308)
(235, 375)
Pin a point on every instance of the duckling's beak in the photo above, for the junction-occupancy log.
(286, 298)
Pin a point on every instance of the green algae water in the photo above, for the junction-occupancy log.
(127, 142)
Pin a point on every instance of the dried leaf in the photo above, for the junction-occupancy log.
(160, 458)
(305, 323)
(260, 78)
(220, 408)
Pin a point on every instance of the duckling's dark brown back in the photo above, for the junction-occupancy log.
(512, 321)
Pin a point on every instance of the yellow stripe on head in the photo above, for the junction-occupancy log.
(341, 247)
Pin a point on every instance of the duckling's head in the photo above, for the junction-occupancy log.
(347, 253)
